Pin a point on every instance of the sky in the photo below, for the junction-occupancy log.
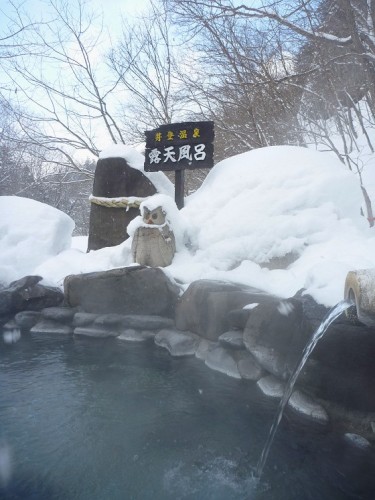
(112, 10)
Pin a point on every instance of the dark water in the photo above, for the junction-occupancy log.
(106, 419)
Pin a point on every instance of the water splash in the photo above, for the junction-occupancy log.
(318, 334)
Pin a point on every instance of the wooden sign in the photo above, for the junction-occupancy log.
(180, 146)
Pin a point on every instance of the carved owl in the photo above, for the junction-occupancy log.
(156, 216)
(153, 242)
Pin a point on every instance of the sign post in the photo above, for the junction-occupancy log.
(179, 146)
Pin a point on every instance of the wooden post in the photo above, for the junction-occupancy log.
(179, 188)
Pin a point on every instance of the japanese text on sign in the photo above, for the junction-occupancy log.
(179, 146)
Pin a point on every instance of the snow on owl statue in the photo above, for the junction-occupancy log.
(153, 241)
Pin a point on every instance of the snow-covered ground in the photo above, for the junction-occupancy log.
(251, 209)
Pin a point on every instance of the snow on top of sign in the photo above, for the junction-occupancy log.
(136, 160)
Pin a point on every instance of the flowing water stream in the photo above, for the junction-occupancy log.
(318, 334)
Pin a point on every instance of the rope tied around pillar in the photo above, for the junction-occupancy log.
(120, 202)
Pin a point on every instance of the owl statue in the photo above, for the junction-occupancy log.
(153, 241)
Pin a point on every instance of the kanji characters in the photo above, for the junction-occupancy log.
(154, 156)
(169, 154)
(184, 152)
(199, 153)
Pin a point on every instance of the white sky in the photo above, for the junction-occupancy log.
(113, 10)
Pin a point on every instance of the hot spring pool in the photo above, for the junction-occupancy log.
(107, 419)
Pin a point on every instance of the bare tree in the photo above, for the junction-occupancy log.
(239, 79)
(324, 92)
(145, 62)
(63, 98)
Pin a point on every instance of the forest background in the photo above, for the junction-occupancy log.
(295, 72)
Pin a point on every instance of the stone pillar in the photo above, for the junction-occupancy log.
(114, 178)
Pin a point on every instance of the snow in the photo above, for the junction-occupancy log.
(30, 233)
(252, 210)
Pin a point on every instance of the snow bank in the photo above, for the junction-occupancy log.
(252, 209)
(274, 201)
(30, 233)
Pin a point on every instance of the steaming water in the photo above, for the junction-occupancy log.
(91, 419)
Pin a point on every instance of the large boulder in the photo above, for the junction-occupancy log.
(128, 290)
(115, 178)
(205, 306)
(342, 367)
(276, 334)
(27, 294)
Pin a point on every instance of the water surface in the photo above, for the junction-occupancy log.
(95, 419)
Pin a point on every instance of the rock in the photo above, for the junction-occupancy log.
(178, 343)
(351, 388)
(27, 294)
(347, 347)
(308, 407)
(204, 347)
(10, 325)
(133, 335)
(84, 319)
(204, 307)
(313, 312)
(109, 320)
(237, 318)
(27, 319)
(114, 177)
(280, 262)
(341, 368)
(232, 339)
(150, 322)
(49, 326)
(129, 290)
(357, 441)
(276, 335)
(248, 367)
(269, 359)
(59, 314)
(271, 386)
(221, 360)
(95, 332)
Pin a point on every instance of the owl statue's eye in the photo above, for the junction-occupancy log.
(154, 216)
